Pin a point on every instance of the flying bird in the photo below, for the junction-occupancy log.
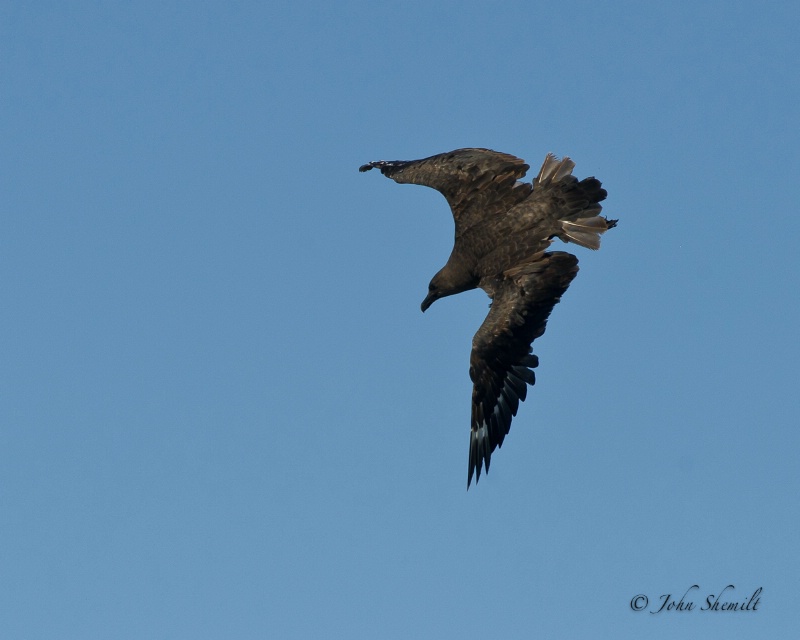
(503, 228)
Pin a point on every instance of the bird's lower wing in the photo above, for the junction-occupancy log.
(501, 362)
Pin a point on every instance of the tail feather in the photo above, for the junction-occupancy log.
(553, 170)
(586, 232)
(565, 169)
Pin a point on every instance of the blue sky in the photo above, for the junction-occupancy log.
(222, 412)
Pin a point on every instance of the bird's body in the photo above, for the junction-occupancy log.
(503, 229)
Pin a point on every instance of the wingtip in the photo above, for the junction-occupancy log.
(475, 470)
(480, 454)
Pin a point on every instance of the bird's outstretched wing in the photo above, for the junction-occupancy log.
(501, 359)
(476, 182)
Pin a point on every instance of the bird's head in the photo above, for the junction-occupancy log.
(434, 293)
(445, 283)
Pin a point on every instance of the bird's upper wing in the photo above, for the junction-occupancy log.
(501, 359)
(476, 182)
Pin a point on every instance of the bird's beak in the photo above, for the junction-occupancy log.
(428, 301)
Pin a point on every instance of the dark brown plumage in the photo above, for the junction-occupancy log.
(503, 228)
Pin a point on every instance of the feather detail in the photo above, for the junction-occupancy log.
(586, 232)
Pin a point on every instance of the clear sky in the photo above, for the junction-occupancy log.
(222, 414)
